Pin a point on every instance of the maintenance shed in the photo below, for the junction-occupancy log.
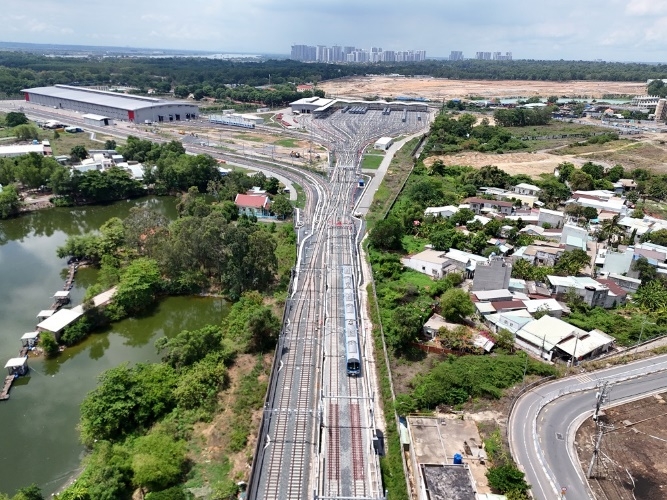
(383, 143)
(111, 105)
(96, 120)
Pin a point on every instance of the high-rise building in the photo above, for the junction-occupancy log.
(486, 56)
(456, 55)
(304, 53)
(348, 53)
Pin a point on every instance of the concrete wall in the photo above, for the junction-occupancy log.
(553, 219)
(493, 276)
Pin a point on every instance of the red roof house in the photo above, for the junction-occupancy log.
(257, 205)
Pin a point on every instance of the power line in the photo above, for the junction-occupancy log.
(602, 397)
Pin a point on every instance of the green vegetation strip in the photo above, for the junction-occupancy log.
(393, 182)
(300, 196)
(393, 476)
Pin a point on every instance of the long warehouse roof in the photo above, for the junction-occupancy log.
(100, 97)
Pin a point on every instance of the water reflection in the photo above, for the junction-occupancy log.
(41, 415)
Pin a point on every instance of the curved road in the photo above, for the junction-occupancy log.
(544, 421)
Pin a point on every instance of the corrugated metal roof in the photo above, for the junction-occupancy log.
(101, 98)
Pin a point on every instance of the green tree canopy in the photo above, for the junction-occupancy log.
(15, 118)
(455, 305)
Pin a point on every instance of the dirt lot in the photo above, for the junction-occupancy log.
(633, 451)
(441, 88)
(532, 164)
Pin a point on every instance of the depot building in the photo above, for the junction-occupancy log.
(117, 106)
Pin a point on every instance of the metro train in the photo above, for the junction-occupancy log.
(352, 350)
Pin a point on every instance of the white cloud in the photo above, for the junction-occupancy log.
(568, 29)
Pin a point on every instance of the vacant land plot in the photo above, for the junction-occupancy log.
(441, 88)
(634, 445)
(532, 164)
(650, 155)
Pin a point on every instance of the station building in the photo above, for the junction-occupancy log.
(111, 105)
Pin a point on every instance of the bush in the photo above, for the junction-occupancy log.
(48, 342)
(507, 478)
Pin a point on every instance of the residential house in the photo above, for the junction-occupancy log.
(548, 306)
(540, 253)
(528, 189)
(249, 204)
(550, 337)
(592, 293)
(622, 186)
(512, 321)
(436, 322)
(616, 262)
(617, 295)
(480, 205)
(464, 262)
(599, 201)
(627, 283)
(446, 211)
(554, 218)
(430, 262)
(574, 238)
(493, 274)
(493, 295)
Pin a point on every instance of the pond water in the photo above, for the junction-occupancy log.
(38, 436)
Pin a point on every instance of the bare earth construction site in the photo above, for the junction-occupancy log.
(633, 448)
(443, 88)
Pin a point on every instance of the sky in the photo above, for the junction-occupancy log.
(612, 30)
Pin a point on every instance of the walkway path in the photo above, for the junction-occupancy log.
(364, 203)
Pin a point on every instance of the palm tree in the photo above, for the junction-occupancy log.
(611, 230)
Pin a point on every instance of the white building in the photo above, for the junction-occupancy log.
(383, 143)
(548, 337)
(446, 211)
(132, 108)
(528, 189)
(430, 262)
(22, 149)
(554, 218)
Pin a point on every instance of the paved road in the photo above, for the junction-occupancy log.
(544, 421)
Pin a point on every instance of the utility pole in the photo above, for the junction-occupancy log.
(602, 397)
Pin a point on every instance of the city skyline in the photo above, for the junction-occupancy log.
(352, 54)
(613, 30)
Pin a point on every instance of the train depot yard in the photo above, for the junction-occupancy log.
(633, 448)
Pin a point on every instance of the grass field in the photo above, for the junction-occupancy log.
(555, 128)
(287, 143)
(300, 196)
(64, 144)
(371, 161)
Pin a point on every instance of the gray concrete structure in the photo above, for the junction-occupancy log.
(136, 109)
(492, 275)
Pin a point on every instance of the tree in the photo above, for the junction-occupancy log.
(504, 340)
(572, 262)
(158, 461)
(646, 271)
(127, 400)
(78, 153)
(462, 217)
(14, 119)
(652, 296)
(406, 325)
(455, 305)
(139, 284)
(506, 477)
(282, 207)
(610, 230)
(387, 234)
(9, 201)
(32, 492)
(110, 144)
(658, 237)
(580, 181)
(48, 342)
(594, 170)
(522, 269)
(26, 132)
